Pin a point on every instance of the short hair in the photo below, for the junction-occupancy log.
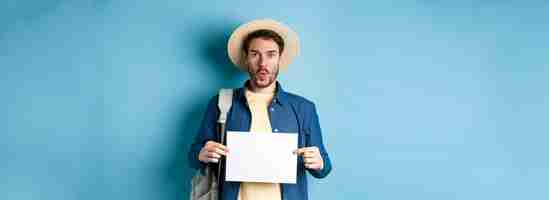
(264, 34)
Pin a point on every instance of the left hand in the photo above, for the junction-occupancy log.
(311, 157)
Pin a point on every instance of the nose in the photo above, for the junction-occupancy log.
(262, 61)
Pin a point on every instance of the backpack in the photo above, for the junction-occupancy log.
(206, 186)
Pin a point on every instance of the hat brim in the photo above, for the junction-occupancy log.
(291, 42)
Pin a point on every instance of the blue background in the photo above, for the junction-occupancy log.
(417, 99)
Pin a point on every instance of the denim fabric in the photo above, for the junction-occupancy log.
(289, 113)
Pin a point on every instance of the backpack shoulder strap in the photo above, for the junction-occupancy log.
(224, 104)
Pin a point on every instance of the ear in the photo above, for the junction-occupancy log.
(244, 57)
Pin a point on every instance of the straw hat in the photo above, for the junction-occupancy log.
(291, 42)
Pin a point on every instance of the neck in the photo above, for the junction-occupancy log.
(269, 89)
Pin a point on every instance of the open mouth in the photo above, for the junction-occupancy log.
(262, 73)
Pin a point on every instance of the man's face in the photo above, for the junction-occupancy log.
(262, 59)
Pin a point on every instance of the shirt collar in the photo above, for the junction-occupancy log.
(280, 97)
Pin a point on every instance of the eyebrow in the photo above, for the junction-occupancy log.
(268, 51)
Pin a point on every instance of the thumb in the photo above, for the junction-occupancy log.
(299, 151)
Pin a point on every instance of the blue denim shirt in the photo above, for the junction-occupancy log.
(289, 113)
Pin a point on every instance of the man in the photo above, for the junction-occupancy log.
(262, 48)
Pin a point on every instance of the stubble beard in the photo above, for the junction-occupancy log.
(255, 79)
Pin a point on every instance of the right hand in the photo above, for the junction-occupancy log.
(212, 152)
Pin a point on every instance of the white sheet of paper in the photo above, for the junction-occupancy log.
(261, 157)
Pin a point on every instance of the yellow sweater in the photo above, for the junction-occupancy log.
(258, 103)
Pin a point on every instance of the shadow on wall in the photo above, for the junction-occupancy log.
(210, 39)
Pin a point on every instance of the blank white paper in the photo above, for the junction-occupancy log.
(261, 157)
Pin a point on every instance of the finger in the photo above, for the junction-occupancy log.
(301, 151)
(311, 160)
(297, 151)
(213, 155)
(311, 149)
(304, 150)
(222, 147)
(312, 166)
(212, 144)
(214, 160)
(219, 151)
(309, 155)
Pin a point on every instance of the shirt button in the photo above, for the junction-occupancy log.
(272, 109)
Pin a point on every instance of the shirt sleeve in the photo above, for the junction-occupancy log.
(206, 132)
(313, 134)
